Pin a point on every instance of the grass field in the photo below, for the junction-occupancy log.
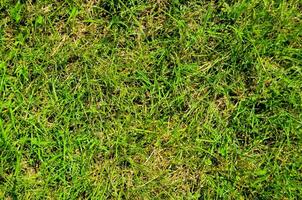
(151, 99)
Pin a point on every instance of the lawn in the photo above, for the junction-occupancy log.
(151, 99)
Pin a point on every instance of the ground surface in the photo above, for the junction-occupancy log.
(151, 99)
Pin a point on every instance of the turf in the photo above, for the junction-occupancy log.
(154, 99)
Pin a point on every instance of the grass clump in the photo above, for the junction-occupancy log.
(150, 99)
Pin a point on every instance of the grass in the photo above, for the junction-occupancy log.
(151, 99)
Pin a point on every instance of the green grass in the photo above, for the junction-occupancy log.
(154, 99)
